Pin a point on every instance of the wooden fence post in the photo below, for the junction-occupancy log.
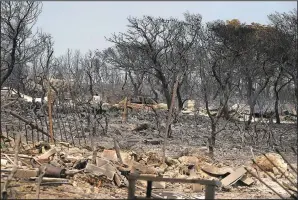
(210, 192)
(50, 114)
(149, 189)
(131, 187)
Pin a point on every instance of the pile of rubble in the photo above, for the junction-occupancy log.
(49, 164)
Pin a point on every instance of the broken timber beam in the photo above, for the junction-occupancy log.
(132, 178)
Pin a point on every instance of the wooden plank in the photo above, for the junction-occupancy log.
(48, 179)
(247, 181)
(213, 170)
(210, 192)
(110, 155)
(24, 173)
(176, 180)
(156, 185)
(100, 162)
(233, 177)
(106, 170)
(131, 188)
(45, 157)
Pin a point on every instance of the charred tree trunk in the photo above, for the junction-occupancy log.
(165, 88)
(276, 103)
(251, 113)
(169, 118)
(226, 114)
(179, 98)
(252, 96)
(135, 85)
(153, 89)
(276, 92)
(213, 121)
(223, 85)
(90, 86)
(224, 108)
(212, 140)
(155, 95)
(171, 109)
(167, 95)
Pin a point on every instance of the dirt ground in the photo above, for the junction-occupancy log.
(235, 147)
